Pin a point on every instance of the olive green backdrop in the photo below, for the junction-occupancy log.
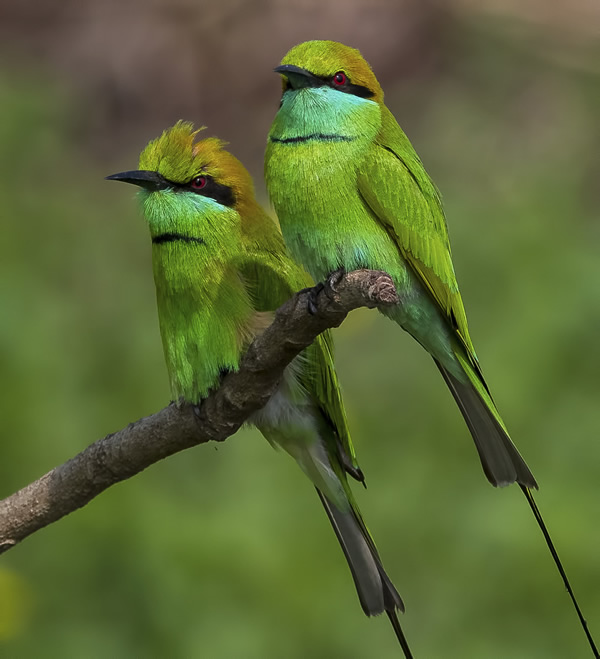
(224, 551)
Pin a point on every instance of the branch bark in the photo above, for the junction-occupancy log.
(125, 453)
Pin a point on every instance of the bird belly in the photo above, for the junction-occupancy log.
(290, 420)
(324, 221)
(328, 226)
(205, 319)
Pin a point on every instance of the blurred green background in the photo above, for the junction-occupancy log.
(224, 551)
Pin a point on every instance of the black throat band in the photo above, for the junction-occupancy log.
(315, 137)
(174, 237)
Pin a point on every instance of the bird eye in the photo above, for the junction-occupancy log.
(339, 79)
(199, 182)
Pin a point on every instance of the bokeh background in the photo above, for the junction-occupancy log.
(224, 551)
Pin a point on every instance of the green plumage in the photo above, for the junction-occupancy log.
(351, 192)
(221, 268)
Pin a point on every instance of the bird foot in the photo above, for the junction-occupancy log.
(330, 286)
(313, 294)
(223, 372)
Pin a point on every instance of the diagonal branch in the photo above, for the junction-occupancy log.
(127, 452)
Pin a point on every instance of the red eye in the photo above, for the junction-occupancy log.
(339, 79)
(199, 182)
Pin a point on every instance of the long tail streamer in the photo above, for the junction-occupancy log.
(399, 634)
(561, 570)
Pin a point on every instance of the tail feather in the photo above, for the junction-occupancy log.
(375, 590)
(501, 461)
(539, 519)
(399, 633)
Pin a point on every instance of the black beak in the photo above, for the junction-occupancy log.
(297, 77)
(151, 181)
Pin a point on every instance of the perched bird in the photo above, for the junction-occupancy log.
(351, 192)
(220, 269)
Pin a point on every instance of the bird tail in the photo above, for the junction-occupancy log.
(539, 519)
(501, 461)
(375, 590)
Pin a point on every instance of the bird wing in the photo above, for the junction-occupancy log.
(395, 186)
(322, 381)
(272, 277)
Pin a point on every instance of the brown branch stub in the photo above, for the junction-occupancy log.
(125, 453)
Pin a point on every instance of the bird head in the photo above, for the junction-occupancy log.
(329, 95)
(329, 64)
(187, 182)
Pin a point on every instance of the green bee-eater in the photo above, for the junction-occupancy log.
(351, 192)
(220, 269)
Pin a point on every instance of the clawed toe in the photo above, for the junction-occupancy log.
(313, 294)
(332, 281)
(329, 287)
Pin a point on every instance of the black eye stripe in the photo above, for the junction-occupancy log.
(358, 90)
(349, 88)
(313, 80)
(221, 193)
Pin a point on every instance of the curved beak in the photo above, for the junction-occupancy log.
(298, 77)
(151, 181)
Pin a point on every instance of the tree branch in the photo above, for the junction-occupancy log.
(127, 452)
